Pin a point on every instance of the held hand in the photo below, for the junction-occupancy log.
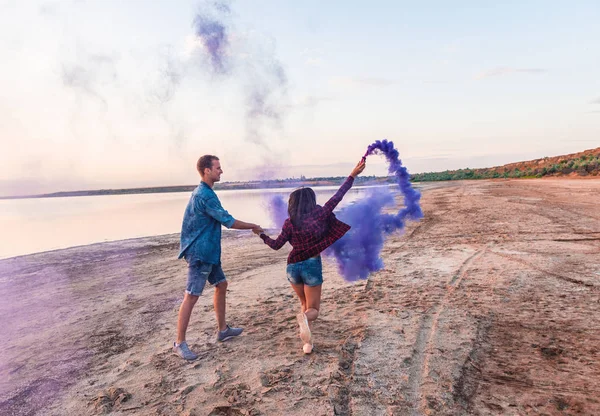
(258, 230)
(360, 166)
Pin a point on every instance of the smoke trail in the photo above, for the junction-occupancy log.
(358, 252)
(171, 72)
(264, 98)
(250, 59)
(211, 30)
(87, 76)
(412, 208)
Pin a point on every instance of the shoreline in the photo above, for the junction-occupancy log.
(420, 186)
(142, 240)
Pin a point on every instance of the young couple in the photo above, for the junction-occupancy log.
(310, 229)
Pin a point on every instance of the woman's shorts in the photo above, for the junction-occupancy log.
(308, 272)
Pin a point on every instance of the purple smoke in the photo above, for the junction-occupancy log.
(212, 32)
(278, 210)
(358, 252)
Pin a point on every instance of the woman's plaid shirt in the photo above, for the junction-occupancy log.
(319, 230)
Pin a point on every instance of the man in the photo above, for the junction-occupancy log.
(201, 247)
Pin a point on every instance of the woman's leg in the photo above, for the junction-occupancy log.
(299, 289)
(303, 322)
(313, 301)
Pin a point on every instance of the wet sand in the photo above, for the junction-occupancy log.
(489, 305)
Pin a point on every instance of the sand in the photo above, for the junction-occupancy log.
(490, 305)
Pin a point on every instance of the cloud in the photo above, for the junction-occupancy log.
(311, 101)
(501, 71)
(55, 7)
(360, 82)
(451, 48)
(312, 51)
(314, 61)
(313, 57)
(49, 9)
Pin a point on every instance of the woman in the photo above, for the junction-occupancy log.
(310, 229)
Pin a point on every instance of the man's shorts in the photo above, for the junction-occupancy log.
(199, 273)
(308, 272)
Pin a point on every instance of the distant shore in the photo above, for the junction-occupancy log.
(268, 184)
(584, 164)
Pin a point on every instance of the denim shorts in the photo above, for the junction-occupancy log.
(199, 273)
(308, 272)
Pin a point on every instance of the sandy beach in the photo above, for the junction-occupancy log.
(490, 305)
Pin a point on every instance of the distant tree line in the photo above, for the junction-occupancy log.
(301, 181)
(582, 166)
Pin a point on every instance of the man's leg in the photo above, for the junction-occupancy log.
(185, 311)
(217, 278)
(219, 302)
(197, 275)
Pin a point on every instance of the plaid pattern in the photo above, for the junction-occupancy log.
(319, 230)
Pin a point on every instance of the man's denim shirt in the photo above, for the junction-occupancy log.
(201, 229)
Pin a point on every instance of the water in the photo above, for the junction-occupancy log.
(35, 225)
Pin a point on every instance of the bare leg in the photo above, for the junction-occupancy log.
(305, 334)
(185, 311)
(299, 289)
(219, 304)
(313, 302)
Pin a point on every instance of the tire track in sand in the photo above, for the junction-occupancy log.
(423, 348)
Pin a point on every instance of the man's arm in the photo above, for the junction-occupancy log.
(241, 225)
(212, 207)
(215, 210)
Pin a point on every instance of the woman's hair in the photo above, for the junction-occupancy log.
(302, 202)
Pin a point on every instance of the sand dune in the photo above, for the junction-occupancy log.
(490, 305)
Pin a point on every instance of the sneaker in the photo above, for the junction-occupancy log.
(305, 334)
(228, 333)
(184, 351)
(307, 348)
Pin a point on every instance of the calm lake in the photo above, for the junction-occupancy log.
(42, 224)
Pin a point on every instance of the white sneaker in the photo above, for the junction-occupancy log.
(305, 334)
(307, 348)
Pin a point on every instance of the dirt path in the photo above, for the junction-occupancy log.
(490, 305)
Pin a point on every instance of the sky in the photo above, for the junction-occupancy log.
(112, 94)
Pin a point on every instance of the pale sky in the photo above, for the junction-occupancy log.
(108, 94)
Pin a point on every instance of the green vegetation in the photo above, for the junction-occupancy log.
(582, 166)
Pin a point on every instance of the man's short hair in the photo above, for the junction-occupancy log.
(205, 162)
